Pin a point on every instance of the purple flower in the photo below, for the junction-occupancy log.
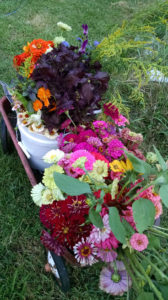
(96, 43)
(114, 283)
(65, 43)
(85, 29)
(83, 47)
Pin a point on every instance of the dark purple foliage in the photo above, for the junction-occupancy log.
(75, 84)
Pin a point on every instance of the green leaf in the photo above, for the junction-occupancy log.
(98, 208)
(71, 186)
(116, 226)
(139, 165)
(143, 213)
(130, 231)
(95, 218)
(146, 296)
(154, 242)
(160, 159)
(163, 192)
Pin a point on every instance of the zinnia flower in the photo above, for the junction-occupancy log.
(100, 170)
(139, 241)
(115, 148)
(85, 252)
(111, 111)
(36, 193)
(106, 255)
(44, 94)
(114, 283)
(64, 26)
(58, 40)
(82, 153)
(53, 156)
(48, 178)
(98, 235)
(47, 197)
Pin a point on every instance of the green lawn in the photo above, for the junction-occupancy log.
(22, 257)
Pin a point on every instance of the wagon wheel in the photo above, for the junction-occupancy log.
(59, 270)
(5, 138)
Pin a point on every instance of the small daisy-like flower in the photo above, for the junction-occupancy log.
(98, 235)
(116, 166)
(139, 241)
(64, 26)
(58, 40)
(100, 170)
(114, 283)
(48, 178)
(38, 127)
(53, 156)
(85, 252)
(23, 115)
(25, 122)
(36, 193)
(35, 117)
(51, 135)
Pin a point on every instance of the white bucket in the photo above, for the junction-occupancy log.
(37, 145)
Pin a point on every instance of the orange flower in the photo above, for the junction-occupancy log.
(40, 46)
(19, 59)
(27, 48)
(37, 105)
(44, 94)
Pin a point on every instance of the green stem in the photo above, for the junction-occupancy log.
(137, 194)
(131, 274)
(153, 287)
(124, 186)
(162, 228)
(68, 115)
(131, 190)
(158, 256)
(159, 232)
(162, 275)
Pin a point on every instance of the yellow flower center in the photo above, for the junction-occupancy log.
(85, 251)
(65, 230)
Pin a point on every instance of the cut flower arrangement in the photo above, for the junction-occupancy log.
(100, 200)
(57, 84)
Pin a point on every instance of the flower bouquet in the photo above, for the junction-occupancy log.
(57, 84)
(100, 200)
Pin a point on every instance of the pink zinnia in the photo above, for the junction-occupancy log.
(139, 241)
(121, 120)
(88, 164)
(98, 235)
(106, 255)
(85, 252)
(84, 146)
(115, 148)
(100, 124)
(95, 141)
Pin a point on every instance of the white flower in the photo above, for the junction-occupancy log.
(58, 40)
(47, 197)
(53, 156)
(51, 135)
(35, 117)
(64, 26)
(57, 194)
(114, 188)
(37, 127)
(36, 193)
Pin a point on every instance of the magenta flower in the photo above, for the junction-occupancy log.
(89, 160)
(85, 146)
(50, 243)
(83, 47)
(85, 252)
(114, 283)
(121, 120)
(111, 111)
(95, 141)
(115, 148)
(139, 241)
(100, 124)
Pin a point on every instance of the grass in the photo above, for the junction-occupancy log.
(22, 274)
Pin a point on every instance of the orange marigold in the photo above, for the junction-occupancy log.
(37, 104)
(44, 94)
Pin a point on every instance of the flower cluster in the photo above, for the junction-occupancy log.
(100, 199)
(58, 82)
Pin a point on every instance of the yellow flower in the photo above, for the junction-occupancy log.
(116, 166)
(127, 166)
(48, 178)
(100, 170)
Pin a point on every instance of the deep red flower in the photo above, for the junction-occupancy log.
(97, 194)
(111, 110)
(107, 199)
(50, 243)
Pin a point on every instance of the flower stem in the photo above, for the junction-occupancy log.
(153, 287)
(131, 274)
(124, 186)
(158, 256)
(159, 232)
(137, 194)
(68, 115)
(162, 275)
